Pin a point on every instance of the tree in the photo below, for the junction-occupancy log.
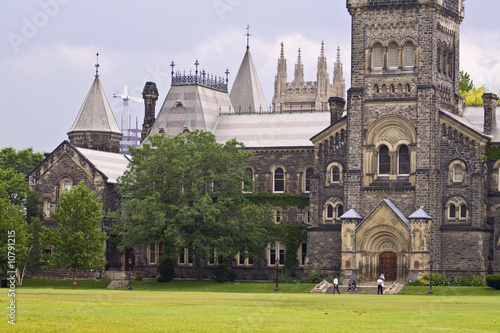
(79, 239)
(471, 94)
(23, 161)
(186, 192)
(466, 84)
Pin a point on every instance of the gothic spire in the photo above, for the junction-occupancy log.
(338, 77)
(299, 70)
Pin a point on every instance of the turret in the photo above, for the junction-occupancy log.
(150, 96)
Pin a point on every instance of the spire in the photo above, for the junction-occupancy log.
(246, 91)
(95, 126)
(97, 66)
(248, 36)
(322, 61)
(338, 77)
(322, 75)
(299, 71)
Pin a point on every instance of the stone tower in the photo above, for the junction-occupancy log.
(150, 96)
(95, 127)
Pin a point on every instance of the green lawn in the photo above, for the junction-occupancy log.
(212, 307)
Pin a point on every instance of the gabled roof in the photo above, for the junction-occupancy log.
(246, 91)
(475, 117)
(393, 207)
(111, 165)
(95, 114)
(272, 130)
(420, 214)
(351, 214)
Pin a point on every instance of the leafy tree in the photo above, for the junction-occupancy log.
(186, 191)
(466, 84)
(22, 161)
(471, 94)
(294, 235)
(79, 240)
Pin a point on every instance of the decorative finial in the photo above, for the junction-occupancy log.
(248, 36)
(172, 65)
(227, 75)
(97, 66)
(196, 63)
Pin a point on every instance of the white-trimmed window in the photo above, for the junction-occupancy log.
(307, 179)
(393, 56)
(243, 260)
(279, 180)
(332, 211)
(47, 208)
(409, 55)
(334, 174)
(303, 254)
(384, 160)
(456, 209)
(155, 250)
(457, 171)
(276, 252)
(186, 257)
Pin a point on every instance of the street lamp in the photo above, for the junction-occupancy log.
(277, 266)
(430, 284)
(129, 273)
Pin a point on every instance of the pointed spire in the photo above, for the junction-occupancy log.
(338, 77)
(299, 70)
(322, 71)
(248, 36)
(97, 66)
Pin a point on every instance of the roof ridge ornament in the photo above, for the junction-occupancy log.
(97, 65)
(248, 36)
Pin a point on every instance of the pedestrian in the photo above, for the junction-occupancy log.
(336, 285)
(382, 276)
(380, 289)
(74, 285)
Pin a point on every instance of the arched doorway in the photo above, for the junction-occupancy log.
(388, 265)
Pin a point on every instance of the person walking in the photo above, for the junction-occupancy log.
(382, 276)
(380, 290)
(336, 285)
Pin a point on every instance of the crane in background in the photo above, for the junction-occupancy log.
(130, 135)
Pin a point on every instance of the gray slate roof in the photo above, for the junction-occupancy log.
(112, 165)
(95, 114)
(475, 116)
(420, 214)
(246, 91)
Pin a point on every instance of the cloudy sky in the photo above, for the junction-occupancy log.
(48, 47)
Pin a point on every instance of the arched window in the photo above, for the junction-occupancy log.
(409, 55)
(66, 185)
(404, 160)
(377, 56)
(384, 161)
(458, 173)
(329, 212)
(307, 179)
(393, 56)
(279, 180)
(340, 211)
(452, 211)
(463, 212)
(335, 174)
(277, 252)
(47, 208)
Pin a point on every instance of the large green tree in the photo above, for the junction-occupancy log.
(471, 94)
(21, 161)
(186, 192)
(79, 238)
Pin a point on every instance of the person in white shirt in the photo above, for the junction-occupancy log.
(336, 285)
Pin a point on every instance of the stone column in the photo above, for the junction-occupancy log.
(490, 107)
(150, 96)
(336, 108)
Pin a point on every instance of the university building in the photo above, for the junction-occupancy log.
(397, 173)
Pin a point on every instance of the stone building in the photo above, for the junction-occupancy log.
(396, 173)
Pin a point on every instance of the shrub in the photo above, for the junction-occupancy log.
(469, 280)
(222, 273)
(314, 277)
(493, 281)
(438, 279)
(166, 269)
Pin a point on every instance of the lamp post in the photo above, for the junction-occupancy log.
(277, 266)
(129, 273)
(92, 276)
(430, 284)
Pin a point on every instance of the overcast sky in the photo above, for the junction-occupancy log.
(48, 47)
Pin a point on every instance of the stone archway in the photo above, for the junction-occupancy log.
(388, 265)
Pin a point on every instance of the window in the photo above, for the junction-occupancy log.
(340, 211)
(377, 56)
(307, 179)
(404, 160)
(243, 260)
(282, 253)
(155, 250)
(279, 180)
(409, 55)
(46, 208)
(65, 185)
(333, 209)
(272, 254)
(499, 179)
(186, 257)
(452, 211)
(303, 253)
(458, 173)
(384, 161)
(277, 217)
(457, 209)
(247, 184)
(393, 56)
(463, 212)
(329, 212)
(335, 174)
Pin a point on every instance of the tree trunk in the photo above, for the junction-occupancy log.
(199, 274)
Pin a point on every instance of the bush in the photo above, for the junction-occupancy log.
(314, 277)
(222, 273)
(469, 280)
(438, 279)
(166, 269)
(493, 281)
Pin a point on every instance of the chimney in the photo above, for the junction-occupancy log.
(336, 108)
(490, 109)
(150, 96)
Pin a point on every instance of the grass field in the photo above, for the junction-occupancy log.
(246, 307)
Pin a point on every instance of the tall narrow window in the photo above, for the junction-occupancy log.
(452, 213)
(377, 56)
(335, 174)
(340, 211)
(47, 208)
(66, 185)
(404, 160)
(282, 254)
(307, 179)
(463, 212)
(393, 56)
(458, 173)
(409, 55)
(272, 254)
(329, 212)
(278, 216)
(384, 161)
(303, 254)
(279, 180)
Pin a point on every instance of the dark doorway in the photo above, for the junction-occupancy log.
(388, 265)
(129, 253)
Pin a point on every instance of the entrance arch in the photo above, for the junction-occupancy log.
(388, 265)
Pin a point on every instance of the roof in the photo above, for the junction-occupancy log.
(191, 106)
(95, 114)
(393, 207)
(475, 117)
(272, 130)
(246, 91)
(351, 214)
(420, 214)
(112, 165)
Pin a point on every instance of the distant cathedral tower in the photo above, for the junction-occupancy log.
(95, 127)
(300, 95)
